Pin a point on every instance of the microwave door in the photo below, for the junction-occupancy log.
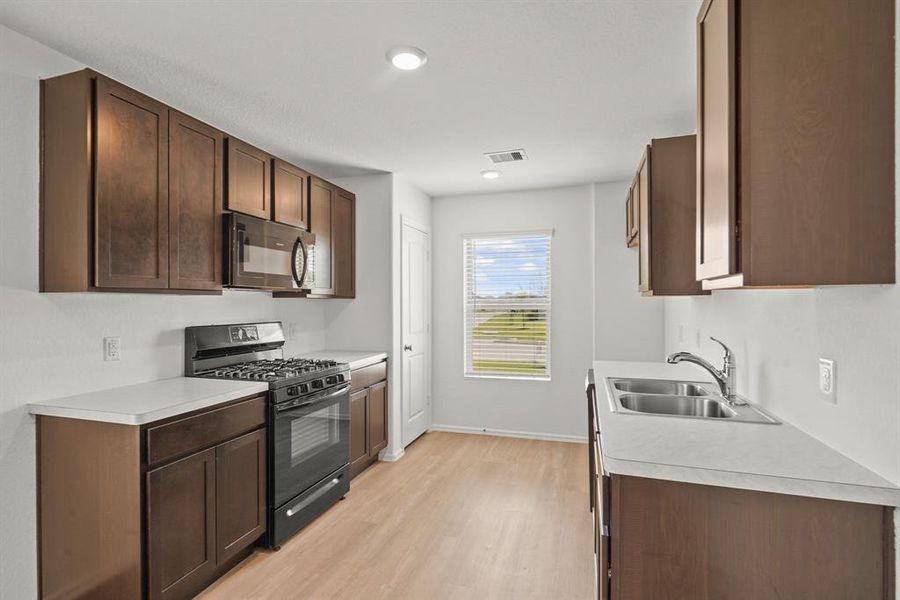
(247, 254)
(279, 258)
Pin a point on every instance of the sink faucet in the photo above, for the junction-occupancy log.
(724, 377)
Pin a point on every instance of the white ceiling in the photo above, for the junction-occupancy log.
(580, 85)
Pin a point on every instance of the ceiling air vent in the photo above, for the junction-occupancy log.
(506, 156)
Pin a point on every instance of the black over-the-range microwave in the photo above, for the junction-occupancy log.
(267, 255)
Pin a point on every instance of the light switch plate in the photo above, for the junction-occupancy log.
(828, 380)
(112, 348)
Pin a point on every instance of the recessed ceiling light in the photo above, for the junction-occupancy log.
(491, 174)
(407, 58)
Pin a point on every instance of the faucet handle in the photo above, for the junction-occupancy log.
(729, 355)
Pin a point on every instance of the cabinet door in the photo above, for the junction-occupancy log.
(195, 204)
(290, 194)
(377, 418)
(131, 205)
(628, 218)
(359, 429)
(321, 196)
(643, 201)
(343, 228)
(181, 510)
(716, 200)
(635, 211)
(240, 493)
(249, 179)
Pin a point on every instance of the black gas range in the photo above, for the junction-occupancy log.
(308, 428)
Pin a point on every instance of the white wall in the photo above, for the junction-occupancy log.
(778, 337)
(550, 409)
(51, 344)
(364, 323)
(627, 326)
(413, 204)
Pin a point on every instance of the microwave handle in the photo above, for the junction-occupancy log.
(243, 254)
(299, 277)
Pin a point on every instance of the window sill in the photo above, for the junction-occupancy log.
(507, 377)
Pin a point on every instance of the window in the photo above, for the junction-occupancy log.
(507, 305)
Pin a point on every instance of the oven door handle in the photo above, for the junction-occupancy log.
(321, 397)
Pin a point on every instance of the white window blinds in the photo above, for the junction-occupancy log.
(507, 305)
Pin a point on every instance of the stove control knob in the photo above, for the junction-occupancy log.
(317, 383)
(304, 388)
(293, 391)
(331, 380)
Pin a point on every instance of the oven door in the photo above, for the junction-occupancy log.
(311, 440)
(266, 255)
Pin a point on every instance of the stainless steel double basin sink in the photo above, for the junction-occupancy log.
(685, 399)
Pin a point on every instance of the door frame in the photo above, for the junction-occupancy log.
(405, 221)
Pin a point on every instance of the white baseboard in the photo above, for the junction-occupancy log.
(391, 456)
(528, 435)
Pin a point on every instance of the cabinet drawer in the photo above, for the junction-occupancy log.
(187, 435)
(366, 376)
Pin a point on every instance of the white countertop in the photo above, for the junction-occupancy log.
(148, 402)
(771, 458)
(356, 358)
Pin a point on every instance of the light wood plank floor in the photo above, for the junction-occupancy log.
(460, 516)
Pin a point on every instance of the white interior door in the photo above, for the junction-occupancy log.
(416, 325)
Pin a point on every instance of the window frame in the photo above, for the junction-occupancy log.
(465, 237)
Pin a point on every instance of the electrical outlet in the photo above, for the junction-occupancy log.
(697, 338)
(112, 348)
(828, 380)
(291, 331)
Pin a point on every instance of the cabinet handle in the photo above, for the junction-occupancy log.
(408, 347)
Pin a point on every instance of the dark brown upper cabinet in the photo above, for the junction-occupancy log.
(321, 197)
(667, 176)
(343, 235)
(195, 204)
(631, 217)
(332, 218)
(249, 189)
(131, 191)
(133, 195)
(290, 194)
(795, 143)
(131, 204)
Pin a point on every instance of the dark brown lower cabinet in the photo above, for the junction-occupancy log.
(359, 436)
(199, 511)
(240, 505)
(181, 520)
(658, 539)
(368, 415)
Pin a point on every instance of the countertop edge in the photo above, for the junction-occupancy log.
(121, 418)
(845, 492)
